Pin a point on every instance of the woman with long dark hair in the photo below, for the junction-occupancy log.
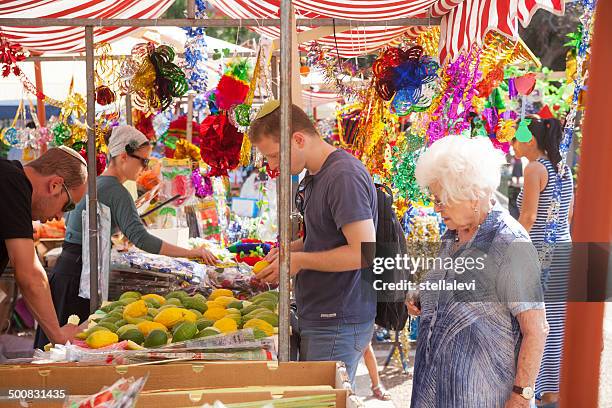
(534, 202)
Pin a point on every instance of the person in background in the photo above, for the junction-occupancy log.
(129, 152)
(478, 347)
(41, 190)
(378, 390)
(338, 201)
(534, 200)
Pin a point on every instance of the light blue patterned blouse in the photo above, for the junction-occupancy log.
(468, 342)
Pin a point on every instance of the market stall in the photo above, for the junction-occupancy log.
(470, 75)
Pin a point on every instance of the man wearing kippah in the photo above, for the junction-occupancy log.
(337, 198)
(41, 190)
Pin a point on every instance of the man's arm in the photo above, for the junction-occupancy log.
(34, 286)
(345, 258)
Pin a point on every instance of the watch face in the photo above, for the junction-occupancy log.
(528, 393)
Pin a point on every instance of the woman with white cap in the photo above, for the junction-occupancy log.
(129, 152)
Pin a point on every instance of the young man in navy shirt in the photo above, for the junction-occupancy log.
(336, 308)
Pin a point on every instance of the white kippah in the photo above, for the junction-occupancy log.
(123, 136)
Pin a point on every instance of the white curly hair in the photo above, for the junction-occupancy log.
(464, 168)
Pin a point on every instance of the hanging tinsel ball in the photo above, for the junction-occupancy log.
(242, 114)
(11, 136)
(61, 134)
(104, 95)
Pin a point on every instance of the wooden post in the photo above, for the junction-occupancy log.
(296, 79)
(94, 300)
(40, 103)
(128, 110)
(583, 341)
(284, 221)
(275, 83)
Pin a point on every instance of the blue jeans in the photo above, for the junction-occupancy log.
(341, 342)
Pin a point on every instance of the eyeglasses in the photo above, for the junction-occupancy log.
(301, 198)
(69, 206)
(144, 162)
(436, 202)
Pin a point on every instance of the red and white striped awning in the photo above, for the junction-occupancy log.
(467, 22)
(354, 42)
(71, 39)
(464, 22)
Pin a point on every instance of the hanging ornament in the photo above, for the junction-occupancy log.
(401, 74)
(523, 134)
(221, 144)
(11, 136)
(152, 77)
(104, 95)
(10, 54)
(202, 185)
(230, 91)
(61, 134)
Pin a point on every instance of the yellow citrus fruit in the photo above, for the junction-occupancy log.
(220, 292)
(169, 317)
(260, 324)
(160, 299)
(101, 338)
(215, 314)
(147, 327)
(135, 309)
(224, 300)
(260, 266)
(226, 325)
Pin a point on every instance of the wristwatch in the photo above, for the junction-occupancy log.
(526, 392)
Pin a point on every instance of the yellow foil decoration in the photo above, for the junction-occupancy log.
(506, 131)
(186, 150)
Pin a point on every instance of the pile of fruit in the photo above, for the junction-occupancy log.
(154, 321)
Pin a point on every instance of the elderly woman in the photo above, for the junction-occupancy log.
(483, 325)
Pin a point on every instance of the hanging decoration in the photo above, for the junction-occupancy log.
(220, 145)
(233, 87)
(338, 74)
(177, 131)
(403, 164)
(202, 185)
(196, 53)
(401, 75)
(152, 78)
(10, 55)
(186, 150)
(552, 220)
(144, 123)
(451, 114)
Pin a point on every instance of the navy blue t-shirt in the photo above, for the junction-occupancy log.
(342, 192)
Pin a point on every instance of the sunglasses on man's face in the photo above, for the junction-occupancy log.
(70, 204)
(144, 162)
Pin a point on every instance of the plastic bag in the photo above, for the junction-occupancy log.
(104, 250)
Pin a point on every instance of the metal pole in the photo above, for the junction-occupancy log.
(274, 66)
(128, 110)
(94, 300)
(211, 22)
(285, 178)
(189, 130)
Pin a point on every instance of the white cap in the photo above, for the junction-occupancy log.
(122, 136)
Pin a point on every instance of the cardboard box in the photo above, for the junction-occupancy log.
(189, 380)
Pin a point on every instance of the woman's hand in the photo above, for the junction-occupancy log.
(413, 309)
(205, 255)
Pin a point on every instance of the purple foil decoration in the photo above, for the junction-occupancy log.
(509, 115)
(202, 185)
(512, 92)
